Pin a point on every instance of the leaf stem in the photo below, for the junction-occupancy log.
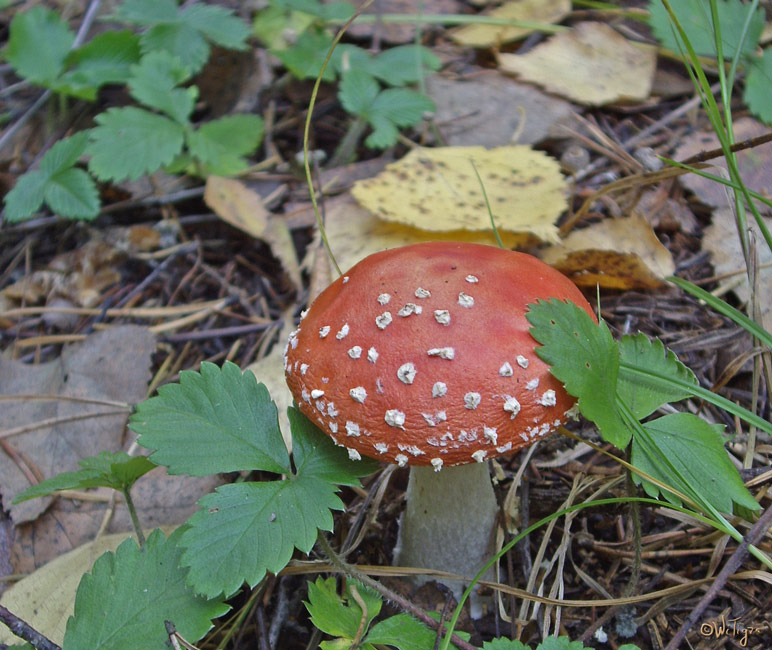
(126, 491)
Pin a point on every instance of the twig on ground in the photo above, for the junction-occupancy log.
(25, 631)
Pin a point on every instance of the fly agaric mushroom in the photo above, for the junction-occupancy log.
(422, 356)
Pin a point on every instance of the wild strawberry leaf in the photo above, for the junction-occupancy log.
(585, 357)
(38, 44)
(245, 529)
(139, 589)
(212, 421)
(154, 82)
(220, 144)
(117, 470)
(340, 616)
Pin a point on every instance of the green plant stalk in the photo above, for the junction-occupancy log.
(346, 149)
(487, 205)
(543, 522)
(134, 518)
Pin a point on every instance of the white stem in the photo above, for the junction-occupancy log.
(449, 521)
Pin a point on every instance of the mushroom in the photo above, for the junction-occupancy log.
(422, 356)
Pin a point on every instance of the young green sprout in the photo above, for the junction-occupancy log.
(422, 356)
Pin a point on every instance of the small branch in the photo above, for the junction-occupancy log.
(352, 572)
(26, 631)
(754, 535)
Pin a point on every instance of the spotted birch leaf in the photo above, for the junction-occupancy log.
(688, 453)
(585, 357)
(244, 530)
(212, 421)
(123, 603)
(117, 470)
(642, 396)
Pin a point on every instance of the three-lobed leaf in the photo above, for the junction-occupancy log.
(154, 82)
(128, 595)
(221, 144)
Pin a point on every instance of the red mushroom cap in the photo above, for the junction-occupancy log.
(421, 355)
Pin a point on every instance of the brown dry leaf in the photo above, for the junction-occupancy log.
(243, 208)
(723, 243)
(490, 109)
(590, 64)
(615, 254)
(533, 11)
(399, 32)
(355, 233)
(112, 365)
(755, 164)
(45, 599)
(438, 190)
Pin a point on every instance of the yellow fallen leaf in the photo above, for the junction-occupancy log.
(615, 254)
(243, 208)
(438, 190)
(532, 11)
(590, 64)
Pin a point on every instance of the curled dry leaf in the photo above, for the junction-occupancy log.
(532, 11)
(243, 208)
(615, 254)
(590, 64)
(438, 190)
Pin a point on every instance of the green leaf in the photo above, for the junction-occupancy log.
(695, 449)
(64, 154)
(213, 421)
(758, 86)
(116, 470)
(130, 142)
(26, 197)
(146, 13)
(305, 58)
(697, 22)
(585, 357)
(180, 40)
(72, 193)
(338, 616)
(220, 144)
(38, 44)
(561, 643)
(244, 530)
(392, 108)
(504, 644)
(406, 633)
(357, 92)
(154, 83)
(123, 603)
(104, 60)
(403, 64)
(645, 397)
(217, 24)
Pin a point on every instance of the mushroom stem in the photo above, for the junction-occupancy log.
(449, 523)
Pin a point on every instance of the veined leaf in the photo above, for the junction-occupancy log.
(304, 59)
(26, 197)
(585, 357)
(338, 616)
(72, 193)
(645, 397)
(38, 44)
(220, 144)
(154, 82)
(128, 595)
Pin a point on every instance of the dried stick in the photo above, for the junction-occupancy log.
(25, 631)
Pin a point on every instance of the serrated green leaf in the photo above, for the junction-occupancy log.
(357, 92)
(645, 397)
(406, 633)
(26, 197)
(106, 59)
(180, 40)
(305, 58)
(504, 644)
(147, 12)
(246, 529)
(686, 452)
(561, 643)
(130, 142)
(64, 154)
(219, 25)
(402, 106)
(585, 357)
(154, 82)
(219, 144)
(38, 44)
(758, 86)
(403, 64)
(696, 20)
(123, 603)
(72, 193)
(338, 616)
(216, 420)
(117, 470)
